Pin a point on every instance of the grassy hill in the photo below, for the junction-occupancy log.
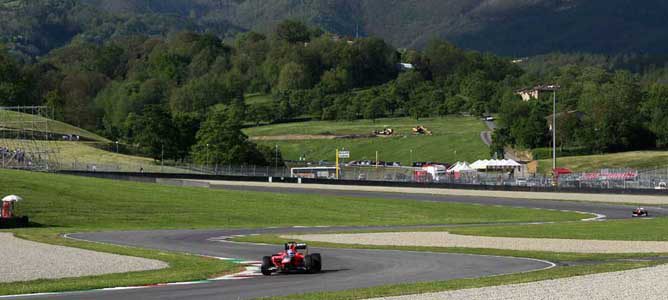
(255, 99)
(635, 159)
(84, 155)
(455, 138)
(17, 120)
(71, 155)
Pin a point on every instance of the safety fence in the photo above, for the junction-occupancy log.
(606, 179)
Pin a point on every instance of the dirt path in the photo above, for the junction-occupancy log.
(486, 137)
(294, 137)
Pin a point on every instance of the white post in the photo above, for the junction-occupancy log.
(554, 130)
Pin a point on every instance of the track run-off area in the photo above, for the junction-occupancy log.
(343, 269)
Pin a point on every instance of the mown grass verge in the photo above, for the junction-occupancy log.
(622, 230)
(98, 204)
(638, 229)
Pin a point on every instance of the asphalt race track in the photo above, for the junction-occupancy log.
(343, 269)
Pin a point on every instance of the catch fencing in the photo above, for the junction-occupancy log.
(606, 179)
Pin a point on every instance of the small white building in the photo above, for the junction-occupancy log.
(405, 67)
(535, 92)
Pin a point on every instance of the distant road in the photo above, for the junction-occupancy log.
(491, 125)
(486, 135)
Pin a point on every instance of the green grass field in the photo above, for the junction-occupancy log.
(455, 138)
(17, 120)
(256, 98)
(86, 203)
(635, 160)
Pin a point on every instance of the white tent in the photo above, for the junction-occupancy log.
(12, 198)
(480, 165)
(461, 167)
(495, 164)
(510, 163)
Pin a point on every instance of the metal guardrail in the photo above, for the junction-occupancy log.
(482, 185)
(607, 179)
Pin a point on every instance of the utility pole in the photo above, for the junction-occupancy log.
(207, 155)
(162, 157)
(337, 163)
(276, 159)
(554, 129)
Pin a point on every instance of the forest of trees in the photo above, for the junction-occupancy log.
(167, 95)
(507, 27)
(605, 104)
(183, 97)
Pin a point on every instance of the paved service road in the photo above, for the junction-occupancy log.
(486, 137)
(343, 269)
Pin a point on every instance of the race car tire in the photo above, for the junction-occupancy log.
(266, 266)
(313, 263)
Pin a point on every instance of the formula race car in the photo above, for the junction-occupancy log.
(640, 212)
(291, 260)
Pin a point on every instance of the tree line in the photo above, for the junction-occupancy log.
(184, 97)
(171, 97)
(599, 110)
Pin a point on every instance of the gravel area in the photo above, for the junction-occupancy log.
(605, 198)
(445, 239)
(25, 260)
(648, 283)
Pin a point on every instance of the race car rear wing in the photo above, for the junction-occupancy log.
(298, 246)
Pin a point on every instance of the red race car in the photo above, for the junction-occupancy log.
(291, 260)
(640, 212)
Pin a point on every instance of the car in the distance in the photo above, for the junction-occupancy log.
(640, 212)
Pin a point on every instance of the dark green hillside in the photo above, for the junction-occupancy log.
(508, 27)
